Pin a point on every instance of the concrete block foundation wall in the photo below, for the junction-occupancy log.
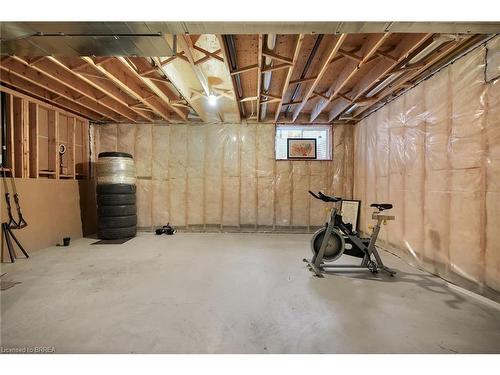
(225, 176)
(435, 154)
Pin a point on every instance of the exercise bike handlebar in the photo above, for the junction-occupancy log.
(325, 198)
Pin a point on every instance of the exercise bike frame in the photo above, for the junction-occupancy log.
(318, 267)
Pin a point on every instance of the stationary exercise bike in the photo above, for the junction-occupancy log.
(337, 238)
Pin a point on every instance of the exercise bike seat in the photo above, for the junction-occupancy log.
(381, 206)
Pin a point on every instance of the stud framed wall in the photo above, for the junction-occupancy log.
(34, 132)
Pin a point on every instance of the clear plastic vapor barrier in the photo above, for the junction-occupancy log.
(225, 176)
(434, 153)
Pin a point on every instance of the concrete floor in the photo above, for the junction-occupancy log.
(231, 293)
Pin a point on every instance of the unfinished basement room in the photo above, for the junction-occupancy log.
(250, 187)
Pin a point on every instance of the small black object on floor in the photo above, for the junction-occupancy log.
(118, 241)
(166, 229)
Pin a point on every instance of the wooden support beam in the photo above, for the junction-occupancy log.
(408, 44)
(102, 60)
(245, 69)
(303, 80)
(286, 84)
(269, 95)
(249, 99)
(155, 89)
(350, 70)
(40, 92)
(208, 55)
(403, 81)
(387, 56)
(179, 55)
(87, 74)
(291, 103)
(363, 102)
(79, 66)
(161, 80)
(275, 67)
(187, 44)
(260, 46)
(126, 83)
(407, 68)
(345, 97)
(105, 86)
(333, 49)
(235, 100)
(34, 60)
(350, 55)
(22, 69)
(272, 100)
(52, 68)
(322, 95)
(275, 56)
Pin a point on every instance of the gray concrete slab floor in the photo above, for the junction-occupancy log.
(231, 293)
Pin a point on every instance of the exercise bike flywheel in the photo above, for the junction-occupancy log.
(335, 245)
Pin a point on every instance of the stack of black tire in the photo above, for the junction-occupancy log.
(116, 196)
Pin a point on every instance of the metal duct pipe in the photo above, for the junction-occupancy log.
(266, 82)
(306, 68)
(232, 62)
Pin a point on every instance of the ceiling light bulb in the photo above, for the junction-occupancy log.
(212, 100)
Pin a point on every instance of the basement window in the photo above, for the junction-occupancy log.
(320, 135)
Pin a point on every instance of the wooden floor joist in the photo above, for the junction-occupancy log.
(53, 69)
(35, 77)
(368, 49)
(236, 98)
(107, 88)
(154, 88)
(403, 80)
(348, 77)
(126, 84)
(287, 83)
(407, 44)
(259, 72)
(333, 49)
(38, 91)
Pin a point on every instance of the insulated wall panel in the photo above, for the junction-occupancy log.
(444, 174)
(160, 149)
(126, 138)
(107, 137)
(143, 155)
(226, 176)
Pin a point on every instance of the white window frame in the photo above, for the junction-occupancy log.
(302, 126)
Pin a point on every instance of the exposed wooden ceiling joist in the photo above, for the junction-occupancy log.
(110, 70)
(153, 87)
(286, 84)
(404, 80)
(187, 45)
(58, 71)
(38, 91)
(348, 76)
(106, 87)
(259, 73)
(368, 49)
(228, 70)
(333, 49)
(407, 44)
(18, 67)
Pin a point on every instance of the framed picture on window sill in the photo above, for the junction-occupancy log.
(301, 149)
